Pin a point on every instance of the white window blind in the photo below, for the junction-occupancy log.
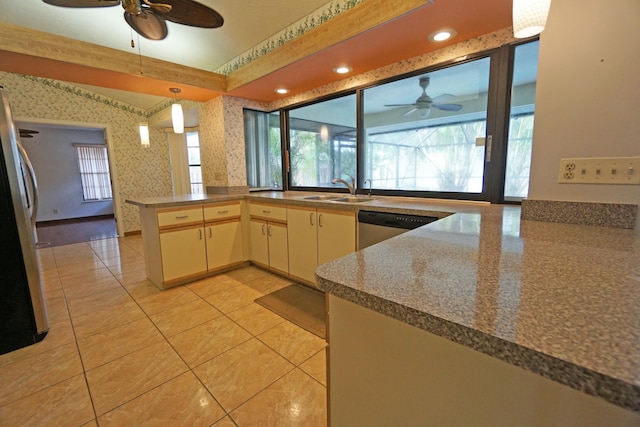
(94, 172)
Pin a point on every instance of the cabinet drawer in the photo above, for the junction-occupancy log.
(170, 218)
(221, 211)
(272, 212)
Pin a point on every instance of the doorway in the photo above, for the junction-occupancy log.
(68, 211)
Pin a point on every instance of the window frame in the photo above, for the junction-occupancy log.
(497, 127)
(94, 176)
(286, 142)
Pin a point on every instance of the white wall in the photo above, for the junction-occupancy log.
(55, 163)
(588, 95)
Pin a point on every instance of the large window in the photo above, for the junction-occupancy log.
(195, 168)
(94, 172)
(263, 150)
(322, 143)
(426, 132)
(459, 130)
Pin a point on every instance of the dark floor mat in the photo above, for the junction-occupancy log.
(300, 305)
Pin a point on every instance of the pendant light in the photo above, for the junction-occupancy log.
(177, 116)
(529, 17)
(144, 134)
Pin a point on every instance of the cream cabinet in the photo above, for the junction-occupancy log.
(317, 236)
(182, 244)
(223, 232)
(268, 235)
(183, 253)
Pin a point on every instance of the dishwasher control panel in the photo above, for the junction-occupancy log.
(385, 219)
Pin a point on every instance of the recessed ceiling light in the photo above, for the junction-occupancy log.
(282, 90)
(442, 35)
(342, 69)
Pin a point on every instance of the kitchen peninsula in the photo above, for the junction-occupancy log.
(484, 319)
(480, 318)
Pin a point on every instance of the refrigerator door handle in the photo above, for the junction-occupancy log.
(33, 209)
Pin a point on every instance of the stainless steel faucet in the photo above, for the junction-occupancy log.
(370, 185)
(351, 187)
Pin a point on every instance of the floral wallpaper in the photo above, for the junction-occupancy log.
(222, 141)
(137, 172)
(293, 31)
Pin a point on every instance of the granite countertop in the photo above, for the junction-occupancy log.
(183, 200)
(559, 300)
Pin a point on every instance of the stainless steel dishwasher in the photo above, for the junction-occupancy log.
(374, 227)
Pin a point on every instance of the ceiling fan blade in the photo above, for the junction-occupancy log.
(399, 105)
(192, 13)
(444, 98)
(448, 107)
(148, 24)
(83, 3)
(410, 111)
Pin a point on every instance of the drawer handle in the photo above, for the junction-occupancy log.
(319, 220)
(311, 218)
(269, 230)
(182, 217)
(209, 232)
(263, 226)
(200, 232)
(223, 212)
(266, 212)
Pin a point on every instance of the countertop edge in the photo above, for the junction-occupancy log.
(579, 378)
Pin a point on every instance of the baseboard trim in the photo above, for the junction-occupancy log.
(72, 220)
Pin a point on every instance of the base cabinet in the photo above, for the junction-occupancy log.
(183, 253)
(387, 373)
(182, 244)
(268, 235)
(317, 236)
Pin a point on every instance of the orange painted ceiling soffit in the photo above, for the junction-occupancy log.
(42, 67)
(351, 23)
(96, 65)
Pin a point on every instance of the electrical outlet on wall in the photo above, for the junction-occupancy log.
(600, 170)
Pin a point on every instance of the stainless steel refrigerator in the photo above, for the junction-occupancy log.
(23, 316)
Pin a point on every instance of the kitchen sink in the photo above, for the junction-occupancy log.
(354, 199)
(323, 197)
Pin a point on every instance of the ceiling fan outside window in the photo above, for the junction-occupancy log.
(424, 103)
(148, 18)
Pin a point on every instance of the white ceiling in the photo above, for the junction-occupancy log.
(247, 23)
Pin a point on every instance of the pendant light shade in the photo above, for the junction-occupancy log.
(177, 118)
(144, 135)
(529, 17)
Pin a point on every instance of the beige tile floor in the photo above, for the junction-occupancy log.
(120, 352)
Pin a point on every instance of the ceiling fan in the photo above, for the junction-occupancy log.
(26, 133)
(148, 18)
(424, 103)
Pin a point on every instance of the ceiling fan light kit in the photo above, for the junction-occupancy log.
(148, 18)
(529, 17)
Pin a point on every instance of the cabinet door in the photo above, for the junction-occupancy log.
(303, 253)
(259, 242)
(336, 235)
(278, 247)
(183, 253)
(224, 244)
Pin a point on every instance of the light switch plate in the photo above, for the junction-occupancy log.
(600, 170)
